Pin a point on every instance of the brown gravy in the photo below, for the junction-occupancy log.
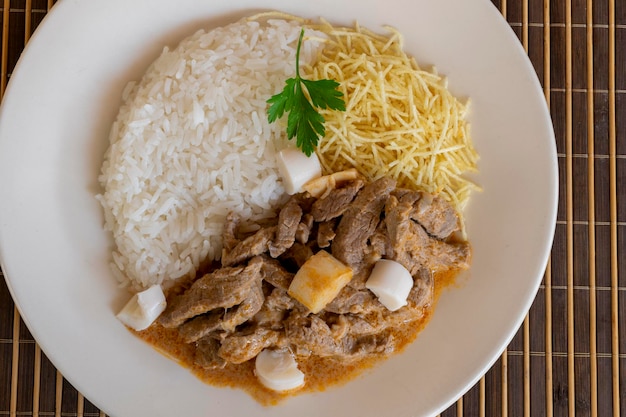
(320, 373)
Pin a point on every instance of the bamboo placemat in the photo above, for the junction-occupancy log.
(568, 358)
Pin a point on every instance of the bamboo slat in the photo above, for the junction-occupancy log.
(571, 372)
(5, 47)
(591, 228)
(613, 213)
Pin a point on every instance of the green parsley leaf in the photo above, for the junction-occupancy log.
(324, 94)
(304, 121)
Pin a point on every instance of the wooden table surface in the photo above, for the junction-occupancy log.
(569, 356)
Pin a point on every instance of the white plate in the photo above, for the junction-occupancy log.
(62, 98)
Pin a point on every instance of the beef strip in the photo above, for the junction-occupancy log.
(441, 256)
(365, 325)
(351, 300)
(379, 243)
(276, 306)
(251, 246)
(310, 335)
(246, 310)
(357, 224)
(280, 300)
(223, 288)
(423, 291)
(243, 346)
(297, 255)
(381, 344)
(401, 235)
(206, 354)
(288, 221)
(336, 202)
(305, 201)
(434, 213)
(304, 229)
(325, 233)
(274, 273)
(201, 326)
(229, 234)
(414, 248)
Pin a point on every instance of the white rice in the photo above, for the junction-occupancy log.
(192, 143)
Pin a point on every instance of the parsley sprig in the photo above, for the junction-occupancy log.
(304, 121)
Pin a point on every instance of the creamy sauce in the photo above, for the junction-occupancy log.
(321, 373)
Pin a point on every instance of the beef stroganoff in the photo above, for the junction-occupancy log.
(272, 291)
